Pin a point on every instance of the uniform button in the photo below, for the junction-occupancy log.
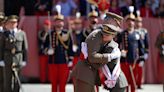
(90, 67)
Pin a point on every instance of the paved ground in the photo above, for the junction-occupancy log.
(69, 88)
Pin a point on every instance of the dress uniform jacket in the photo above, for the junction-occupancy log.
(159, 44)
(43, 58)
(41, 41)
(143, 51)
(62, 44)
(143, 42)
(86, 32)
(78, 39)
(15, 51)
(87, 70)
(129, 42)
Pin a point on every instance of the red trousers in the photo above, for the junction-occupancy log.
(43, 60)
(58, 75)
(125, 68)
(138, 74)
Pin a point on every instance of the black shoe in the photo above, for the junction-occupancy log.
(139, 87)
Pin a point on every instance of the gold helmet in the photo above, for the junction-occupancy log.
(138, 18)
(131, 16)
(78, 20)
(93, 13)
(59, 16)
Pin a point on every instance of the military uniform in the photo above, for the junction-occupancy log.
(143, 51)
(61, 44)
(1, 54)
(86, 71)
(43, 58)
(78, 37)
(93, 23)
(160, 45)
(15, 55)
(128, 41)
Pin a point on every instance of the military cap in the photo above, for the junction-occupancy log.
(115, 17)
(13, 18)
(58, 17)
(110, 29)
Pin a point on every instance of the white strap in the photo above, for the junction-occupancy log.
(111, 77)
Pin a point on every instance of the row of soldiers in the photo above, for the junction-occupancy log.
(62, 48)
(13, 53)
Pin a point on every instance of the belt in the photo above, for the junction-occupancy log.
(18, 52)
(9, 51)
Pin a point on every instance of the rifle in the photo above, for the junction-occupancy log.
(132, 75)
(50, 49)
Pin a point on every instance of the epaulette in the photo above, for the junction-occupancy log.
(113, 44)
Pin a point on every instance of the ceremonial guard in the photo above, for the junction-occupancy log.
(43, 57)
(143, 50)
(92, 23)
(100, 52)
(2, 64)
(160, 46)
(77, 37)
(15, 53)
(128, 41)
(59, 49)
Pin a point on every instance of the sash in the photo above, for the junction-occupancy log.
(111, 77)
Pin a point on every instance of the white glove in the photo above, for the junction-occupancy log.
(50, 51)
(2, 64)
(141, 64)
(75, 47)
(145, 56)
(114, 54)
(123, 53)
(84, 49)
(70, 64)
(162, 49)
(23, 63)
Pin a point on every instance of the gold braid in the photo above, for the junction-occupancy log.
(62, 42)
